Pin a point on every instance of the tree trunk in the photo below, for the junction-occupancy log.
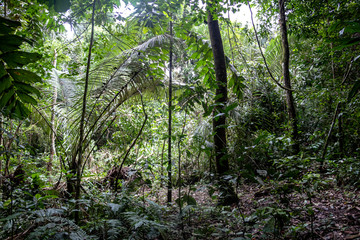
(162, 165)
(5, 10)
(341, 135)
(1, 144)
(219, 117)
(8, 145)
(227, 195)
(286, 74)
(52, 124)
(336, 113)
(74, 180)
(169, 193)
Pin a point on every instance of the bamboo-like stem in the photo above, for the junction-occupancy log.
(77, 164)
(169, 193)
(179, 165)
(330, 131)
(5, 5)
(49, 125)
(52, 133)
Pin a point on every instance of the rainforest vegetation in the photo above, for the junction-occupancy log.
(179, 119)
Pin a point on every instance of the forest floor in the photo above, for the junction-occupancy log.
(331, 213)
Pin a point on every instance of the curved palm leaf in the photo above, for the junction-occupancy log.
(274, 56)
(115, 80)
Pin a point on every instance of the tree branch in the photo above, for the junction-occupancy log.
(330, 131)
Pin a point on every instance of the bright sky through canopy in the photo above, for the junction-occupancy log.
(243, 16)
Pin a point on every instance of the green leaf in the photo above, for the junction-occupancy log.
(269, 226)
(346, 42)
(13, 216)
(231, 81)
(179, 202)
(354, 90)
(138, 224)
(26, 88)
(206, 78)
(17, 110)
(5, 83)
(10, 105)
(8, 26)
(2, 70)
(148, 182)
(21, 75)
(237, 84)
(195, 55)
(352, 27)
(189, 199)
(231, 107)
(218, 96)
(154, 65)
(208, 110)
(208, 54)
(49, 196)
(59, 5)
(11, 42)
(114, 207)
(26, 98)
(219, 115)
(19, 58)
(165, 13)
(6, 97)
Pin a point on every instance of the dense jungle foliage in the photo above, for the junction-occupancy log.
(167, 119)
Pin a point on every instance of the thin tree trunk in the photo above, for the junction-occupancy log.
(5, 5)
(228, 32)
(1, 144)
(134, 141)
(286, 74)
(341, 136)
(179, 168)
(8, 146)
(210, 163)
(329, 133)
(169, 193)
(198, 161)
(76, 165)
(162, 164)
(53, 128)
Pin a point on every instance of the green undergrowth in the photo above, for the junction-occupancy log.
(278, 205)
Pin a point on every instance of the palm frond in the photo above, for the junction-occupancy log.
(157, 41)
(112, 82)
(273, 54)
